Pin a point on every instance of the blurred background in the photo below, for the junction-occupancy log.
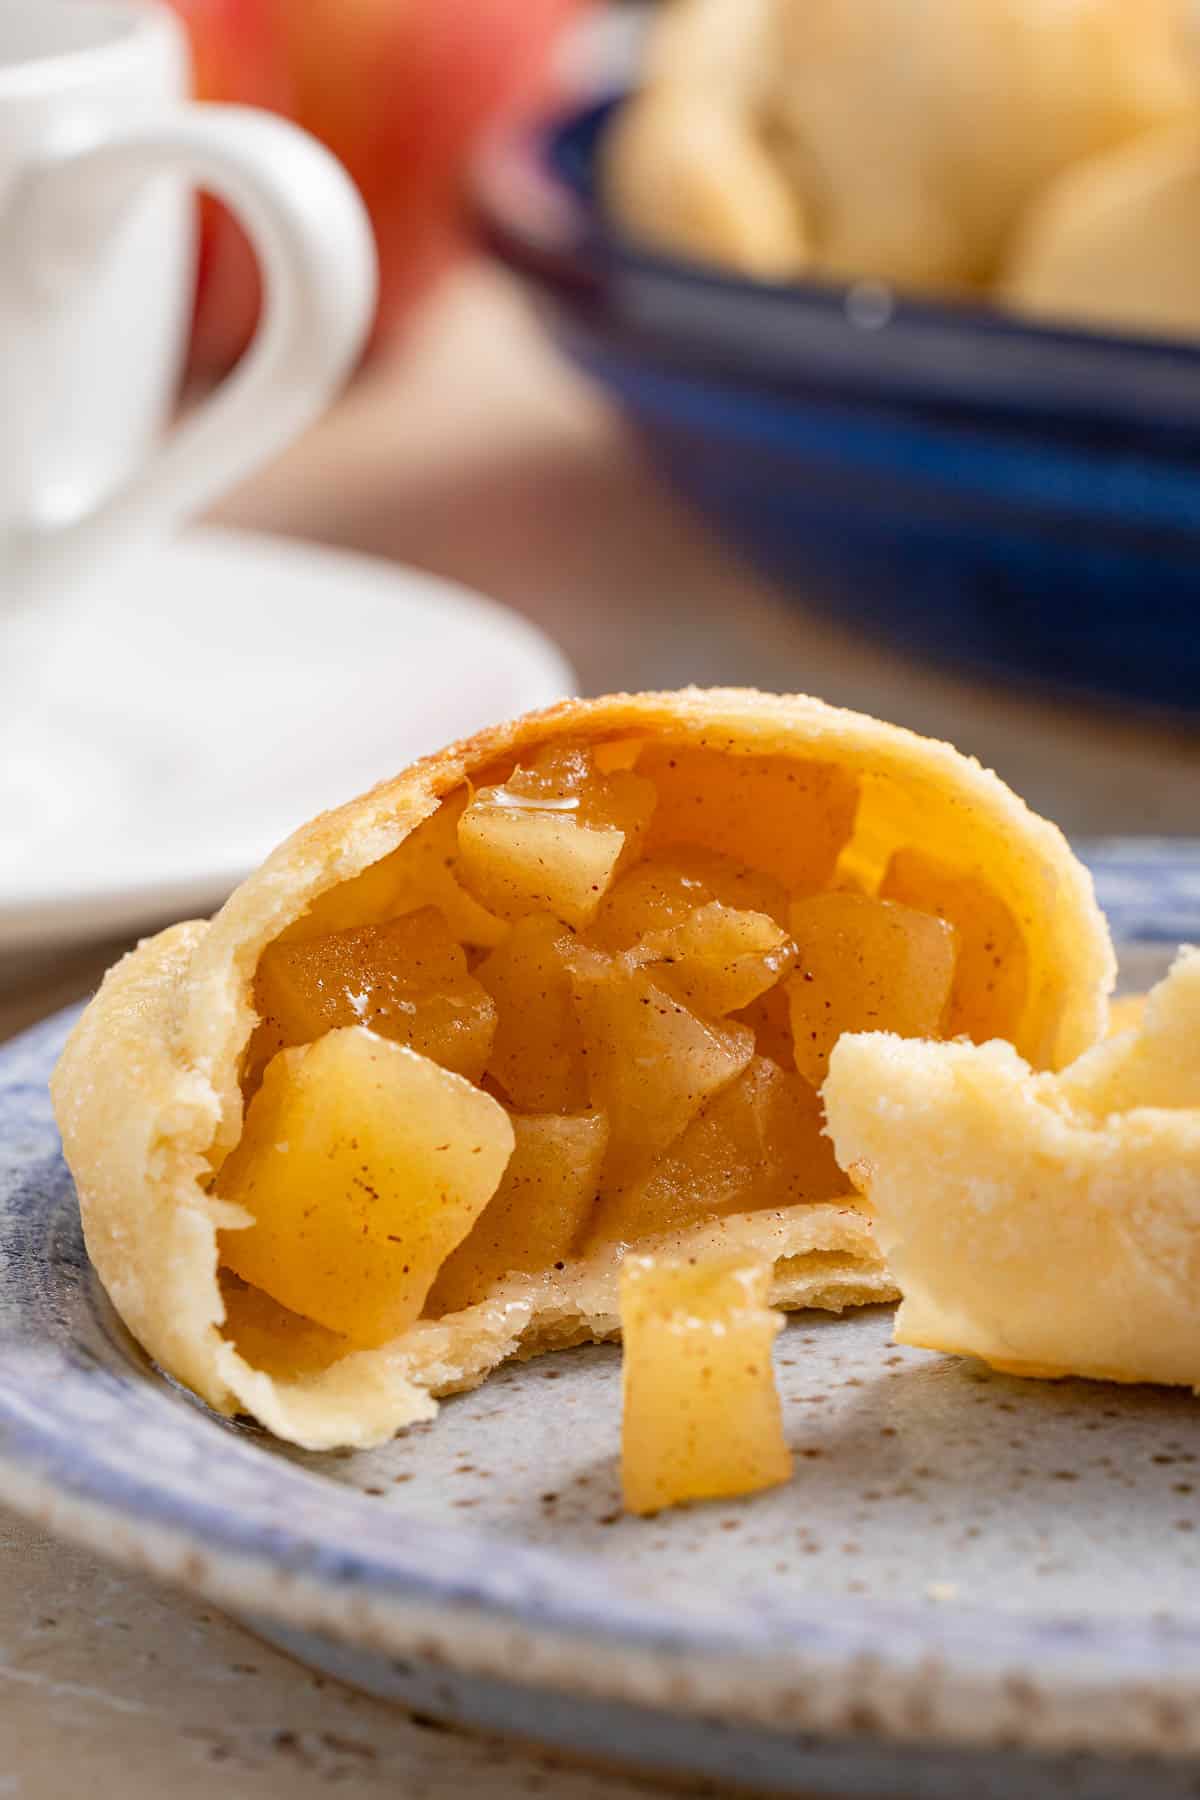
(853, 350)
(901, 300)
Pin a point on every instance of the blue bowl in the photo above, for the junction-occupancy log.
(1020, 499)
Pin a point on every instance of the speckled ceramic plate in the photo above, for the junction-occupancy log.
(973, 1582)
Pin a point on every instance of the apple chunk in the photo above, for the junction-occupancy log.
(537, 1054)
(537, 1214)
(664, 890)
(718, 960)
(769, 1017)
(991, 978)
(552, 837)
(702, 1418)
(651, 1062)
(405, 980)
(865, 965)
(758, 1143)
(362, 1165)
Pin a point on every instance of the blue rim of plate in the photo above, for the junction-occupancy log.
(93, 1438)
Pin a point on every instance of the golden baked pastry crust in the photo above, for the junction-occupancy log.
(1049, 1224)
(149, 1101)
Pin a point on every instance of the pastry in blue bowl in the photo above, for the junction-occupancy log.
(973, 430)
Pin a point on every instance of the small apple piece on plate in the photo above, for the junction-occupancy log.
(702, 1418)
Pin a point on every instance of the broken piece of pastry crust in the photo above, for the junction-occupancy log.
(151, 1090)
(1049, 1224)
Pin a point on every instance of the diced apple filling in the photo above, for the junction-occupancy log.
(362, 1165)
(991, 978)
(864, 965)
(653, 896)
(665, 891)
(537, 1055)
(406, 980)
(717, 960)
(757, 1144)
(651, 1063)
(662, 956)
(552, 837)
(536, 1218)
(701, 1415)
(769, 1018)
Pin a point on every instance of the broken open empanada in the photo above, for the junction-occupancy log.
(1049, 1224)
(570, 986)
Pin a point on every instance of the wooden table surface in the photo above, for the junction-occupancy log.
(471, 451)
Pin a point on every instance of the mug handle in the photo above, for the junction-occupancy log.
(316, 252)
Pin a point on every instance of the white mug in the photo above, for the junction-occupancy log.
(100, 153)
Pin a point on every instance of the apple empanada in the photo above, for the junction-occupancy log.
(397, 1112)
(1048, 1223)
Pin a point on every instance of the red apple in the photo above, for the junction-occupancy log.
(400, 90)
(237, 54)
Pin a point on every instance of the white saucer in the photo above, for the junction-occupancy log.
(235, 687)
